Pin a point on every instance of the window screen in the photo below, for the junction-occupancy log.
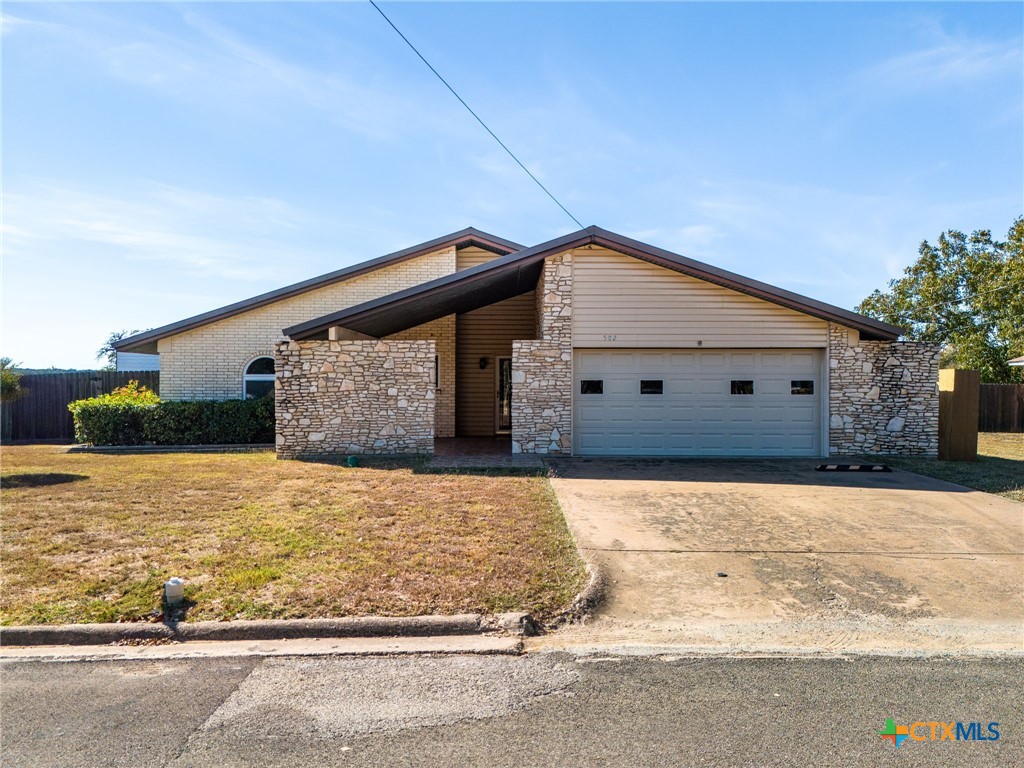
(742, 387)
(651, 386)
(592, 387)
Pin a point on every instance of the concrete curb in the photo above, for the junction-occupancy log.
(586, 601)
(287, 629)
(220, 448)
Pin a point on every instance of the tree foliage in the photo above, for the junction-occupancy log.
(107, 351)
(10, 382)
(967, 294)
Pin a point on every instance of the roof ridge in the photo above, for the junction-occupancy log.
(627, 246)
(129, 343)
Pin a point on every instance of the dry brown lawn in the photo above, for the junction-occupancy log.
(92, 537)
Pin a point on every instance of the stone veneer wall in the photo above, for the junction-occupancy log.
(883, 396)
(542, 368)
(442, 331)
(351, 397)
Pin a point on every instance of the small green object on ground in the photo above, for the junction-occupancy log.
(92, 537)
(352, 461)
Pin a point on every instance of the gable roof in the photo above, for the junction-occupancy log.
(517, 273)
(141, 342)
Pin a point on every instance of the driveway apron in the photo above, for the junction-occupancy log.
(765, 555)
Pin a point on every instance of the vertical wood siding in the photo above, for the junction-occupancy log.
(620, 301)
(487, 332)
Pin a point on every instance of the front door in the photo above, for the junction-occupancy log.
(504, 400)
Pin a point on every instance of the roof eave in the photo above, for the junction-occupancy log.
(467, 236)
(755, 288)
(395, 300)
(596, 236)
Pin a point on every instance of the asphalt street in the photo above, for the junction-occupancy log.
(536, 710)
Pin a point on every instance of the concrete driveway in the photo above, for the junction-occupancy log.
(770, 555)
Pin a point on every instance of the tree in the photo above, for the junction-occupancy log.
(967, 294)
(10, 382)
(107, 351)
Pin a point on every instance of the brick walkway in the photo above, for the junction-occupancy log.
(480, 453)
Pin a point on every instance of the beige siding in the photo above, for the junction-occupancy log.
(619, 301)
(207, 362)
(486, 332)
(471, 256)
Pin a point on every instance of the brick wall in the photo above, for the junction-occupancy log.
(542, 368)
(354, 397)
(883, 396)
(208, 362)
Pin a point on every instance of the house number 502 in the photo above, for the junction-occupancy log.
(609, 337)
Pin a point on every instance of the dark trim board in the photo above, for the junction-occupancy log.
(146, 342)
(510, 275)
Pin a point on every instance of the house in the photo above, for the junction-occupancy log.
(133, 361)
(588, 344)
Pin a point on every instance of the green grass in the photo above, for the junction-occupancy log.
(999, 468)
(91, 538)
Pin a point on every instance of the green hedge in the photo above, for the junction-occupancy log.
(109, 423)
(139, 417)
(115, 418)
(210, 422)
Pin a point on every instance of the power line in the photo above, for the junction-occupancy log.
(474, 114)
(965, 298)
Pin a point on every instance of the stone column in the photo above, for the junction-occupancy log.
(542, 368)
(883, 396)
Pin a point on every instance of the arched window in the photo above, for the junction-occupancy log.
(258, 380)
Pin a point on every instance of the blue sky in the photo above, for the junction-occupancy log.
(163, 160)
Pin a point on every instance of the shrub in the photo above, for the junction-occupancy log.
(133, 415)
(114, 419)
(209, 422)
(10, 381)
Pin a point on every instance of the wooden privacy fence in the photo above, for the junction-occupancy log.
(958, 415)
(43, 413)
(1001, 408)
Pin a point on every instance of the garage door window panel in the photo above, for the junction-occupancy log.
(801, 387)
(591, 387)
(741, 387)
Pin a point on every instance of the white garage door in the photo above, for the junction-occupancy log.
(697, 403)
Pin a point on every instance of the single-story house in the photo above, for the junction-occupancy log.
(133, 361)
(588, 344)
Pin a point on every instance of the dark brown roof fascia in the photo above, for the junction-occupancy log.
(735, 282)
(462, 238)
(615, 242)
(396, 300)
